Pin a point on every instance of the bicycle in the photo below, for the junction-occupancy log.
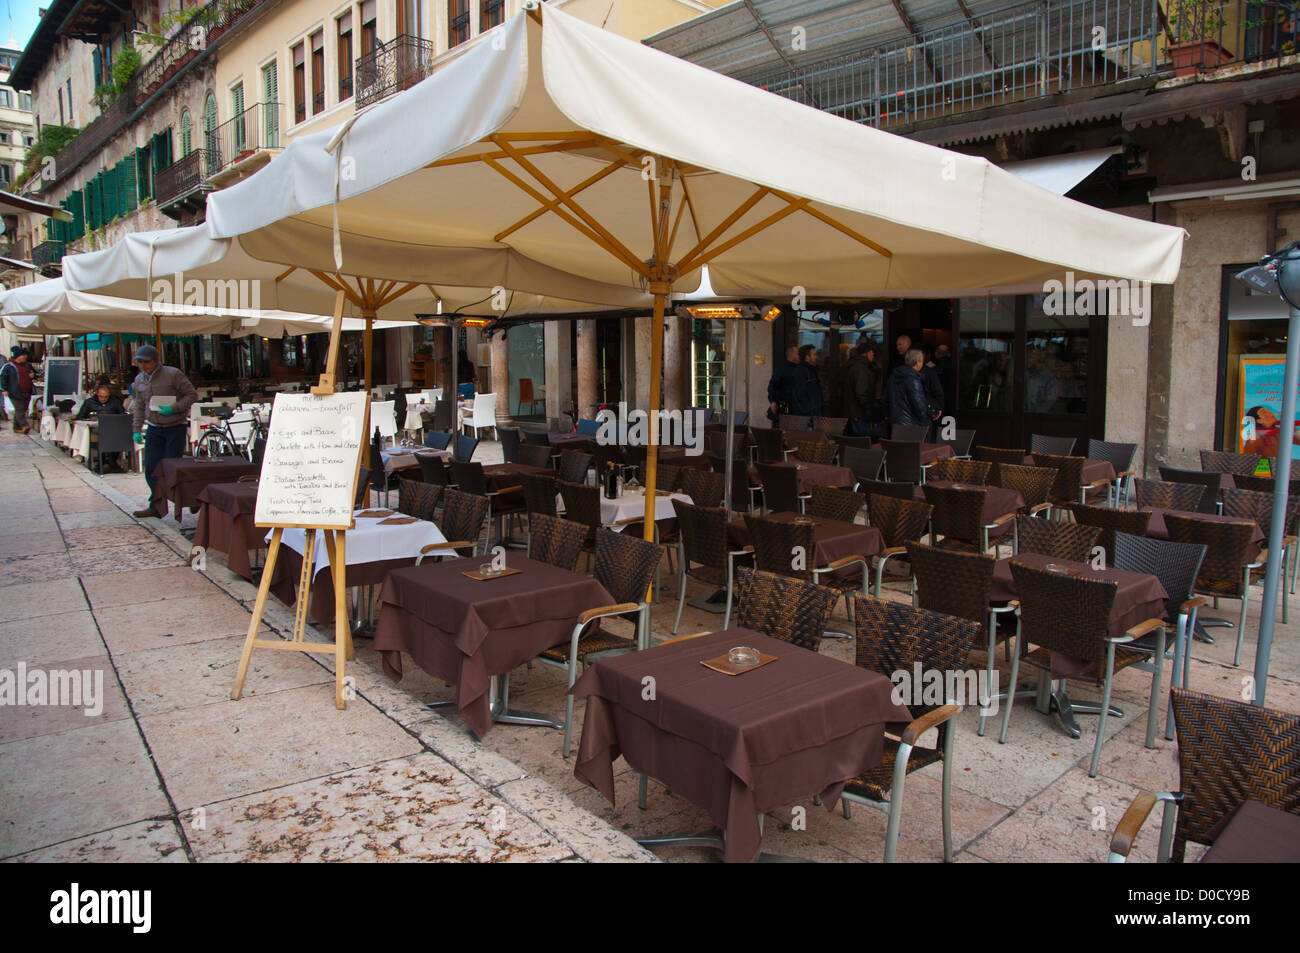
(225, 440)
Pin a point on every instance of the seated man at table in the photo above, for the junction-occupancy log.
(163, 396)
(103, 401)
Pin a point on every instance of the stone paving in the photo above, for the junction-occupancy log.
(172, 769)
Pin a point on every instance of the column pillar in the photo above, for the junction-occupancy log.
(558, 350)
(677, 351)
(501, 377)
(588, 372)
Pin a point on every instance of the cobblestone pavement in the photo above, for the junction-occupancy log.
(171, 769)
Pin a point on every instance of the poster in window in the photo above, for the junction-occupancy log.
(1261, 403)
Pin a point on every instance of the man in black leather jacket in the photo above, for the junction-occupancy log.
(905, 393)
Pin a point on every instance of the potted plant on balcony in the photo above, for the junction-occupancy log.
(1195, 26)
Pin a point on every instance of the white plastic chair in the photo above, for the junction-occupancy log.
(384, 416)
(483, 413)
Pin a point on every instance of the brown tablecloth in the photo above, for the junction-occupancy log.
(813, 474)
(571, 441)
(738, 746)
(1092, 471)
(1156, 529)
(793, 438)
(930, 452)
(181, 479)
(677, 457)
(466, 631)
(1138, 598)
(501, 476)
(998, 501)
(1257, 834)
(832, 539)
(226, 524)
(288, 569)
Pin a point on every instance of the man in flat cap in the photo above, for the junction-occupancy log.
(163, 396)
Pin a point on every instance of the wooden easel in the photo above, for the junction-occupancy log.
(335, 548)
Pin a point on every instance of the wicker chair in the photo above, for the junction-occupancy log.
(574, 465)
(703, 542)
(1068, 613)
(1227, 572)
(961, 471)
(903, 461)
(582, 505)
(624, 566)
(1264, 484)
(1069, 486)
(1072, 542)
(899, 491)
(1238, 464)
(959, 517)
(1120, 456)
(1034, 484)
(831, 425)
(783, 607)
(958, 584)
(418, 499)
(465, 447)
(510, 443)
(1211, 481)
(961, 443)
(769, 445)
(362, 498)
(704, 487)
(1110, 522)
(1176, 565)
(832, 503)
(776, 544)
(893, 638)
(1229, 752)
(1184, 497)
(534, 455)
(463, 515)
(900, 522)
(437, 439)
(815, 451)
(1058, 446)
(667, 476)
(909, 434)
(433, 470)
(555, 541)
(794, 422)
(537, 438)
(1001, 455)
(540, 491)
(865, 464)
(503, 503)
(781, 489)
(1259, 506)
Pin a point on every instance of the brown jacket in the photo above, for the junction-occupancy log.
(165, 382)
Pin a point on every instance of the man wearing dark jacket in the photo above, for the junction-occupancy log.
(102, 401)
(163, 396)
(860, 389)
(17, 381)
(905, 393)
(782, 383)
(806, 396)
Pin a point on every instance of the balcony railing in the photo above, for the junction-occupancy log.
(255, 129)
(186, 175)
(47, 254)
(1030, 50)
(100, 129)
(392, 67)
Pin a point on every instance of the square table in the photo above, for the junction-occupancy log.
(738, 746)
(226, 524)
(1156, 529)
(998, 501)
(1256, 834)
(813, 474)
(629, 508)
(832, 539)
(408, 458)
(474, 633)
(181, 479)
(374, 549)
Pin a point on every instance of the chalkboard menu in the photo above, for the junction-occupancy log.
(62, 378)
(313, 453)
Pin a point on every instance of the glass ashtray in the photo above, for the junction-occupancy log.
(743, 655)
(1057, 568)
(487, 569)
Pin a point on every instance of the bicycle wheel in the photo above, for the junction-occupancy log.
(215, 444)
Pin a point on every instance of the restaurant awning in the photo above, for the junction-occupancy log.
(1061, 173)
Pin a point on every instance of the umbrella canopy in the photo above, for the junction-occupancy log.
(549, 143)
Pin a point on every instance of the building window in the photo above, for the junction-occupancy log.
(344, 24)
(458, 21)
(1056, 362)
(986, 376)
(6, 98)
(6, 173)
(369, 27)
(318, 72)
(210, 133)
(187, 133)
(239, 125)
(62, 122)
(409, 22)
(271, 105)
(491, 13)
(29, 140)
(25, 102)
(299, 84)
(71, 119)
(4, 138)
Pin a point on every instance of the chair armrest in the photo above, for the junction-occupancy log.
(1039, 507)
(505, 489)
(1141, 629)
(248, 478)
(630, 519)
(1000, 520)
(1193, 603)
(683, 638)
(1126, 832)
(1094, 484)
(1124, 473)
(892, 551)
(740, 552)
(931, 719)
(841, 563)
(601, 611)
(452, 544)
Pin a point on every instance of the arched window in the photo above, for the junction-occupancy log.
(210, 133)
(187, 133)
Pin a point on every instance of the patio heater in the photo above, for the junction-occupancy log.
(1278, 274)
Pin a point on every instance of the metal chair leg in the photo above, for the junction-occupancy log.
(681, 589)
(896, 802)
(1154, 705)
(1181, 647)
(948, 735)
(1105, 707)
(1011, 694)
(1241, 625)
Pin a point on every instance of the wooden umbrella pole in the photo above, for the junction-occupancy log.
(157, 335)
(369, 315)
(660, 289)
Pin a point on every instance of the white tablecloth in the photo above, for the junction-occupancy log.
(631, 505)
(79, 444)
(370, 542)
(413, 419)
(398, 458)
(63, 431)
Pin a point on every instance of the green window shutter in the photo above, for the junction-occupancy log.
(91, 199)
(97, 65)
(168, 156)
(107, 196)
(143, 181)
(78, 214)
(129, 198)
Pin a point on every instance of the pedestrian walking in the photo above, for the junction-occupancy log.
(162, 399)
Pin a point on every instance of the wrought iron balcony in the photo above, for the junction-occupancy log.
(47, 255)
(183, 186)
(392, 67)
(1031, 50)
(255, 129)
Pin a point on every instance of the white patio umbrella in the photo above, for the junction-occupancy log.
(547, 142)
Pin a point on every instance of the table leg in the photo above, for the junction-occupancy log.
(498, 700)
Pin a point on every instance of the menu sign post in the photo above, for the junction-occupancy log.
(308, 481)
